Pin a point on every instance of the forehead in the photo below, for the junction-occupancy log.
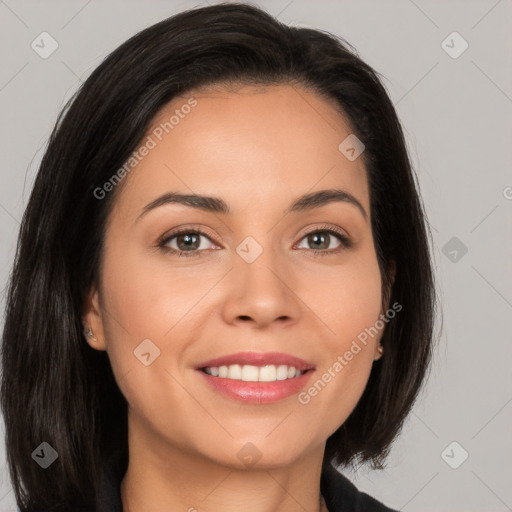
(256, 144)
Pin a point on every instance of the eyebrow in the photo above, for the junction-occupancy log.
(217, 205)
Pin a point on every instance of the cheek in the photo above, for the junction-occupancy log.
(150, 298)
(346, 298)
(146, 295)
(135, 310)
(350, 302)
(142, 303)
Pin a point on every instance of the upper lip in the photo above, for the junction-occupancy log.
(258, 359)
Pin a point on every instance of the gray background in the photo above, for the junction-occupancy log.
(457, 116)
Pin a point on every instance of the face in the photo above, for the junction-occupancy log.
(203, 327)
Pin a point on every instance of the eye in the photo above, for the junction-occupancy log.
(320, 239)
(185, 242)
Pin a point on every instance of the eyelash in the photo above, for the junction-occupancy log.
(346, 243)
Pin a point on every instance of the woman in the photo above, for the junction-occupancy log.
(223, 286)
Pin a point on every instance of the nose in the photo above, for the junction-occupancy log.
(261, 293)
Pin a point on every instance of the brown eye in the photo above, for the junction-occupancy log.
(320, 241)
(186, 242)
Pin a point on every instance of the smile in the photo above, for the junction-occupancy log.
(251, 373)
(255, 377)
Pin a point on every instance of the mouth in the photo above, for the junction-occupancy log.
(256, 377)
(251, 373)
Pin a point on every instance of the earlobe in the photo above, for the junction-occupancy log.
(88, 332)
(90, 338)
(379, 351)
(92, 320)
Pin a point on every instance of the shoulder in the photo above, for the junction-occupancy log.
(341, 494)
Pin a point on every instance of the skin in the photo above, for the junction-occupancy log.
(258, 148)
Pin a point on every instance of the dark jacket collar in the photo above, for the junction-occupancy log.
(339, 493)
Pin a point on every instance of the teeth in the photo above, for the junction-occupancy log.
(234, 372)
(282, 372)
(268, 373)
(250, 373)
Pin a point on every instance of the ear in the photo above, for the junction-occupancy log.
(93, 319)
(379, 350)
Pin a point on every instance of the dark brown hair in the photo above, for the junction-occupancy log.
(54, 387)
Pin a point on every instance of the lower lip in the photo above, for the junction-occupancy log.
(257, 392)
